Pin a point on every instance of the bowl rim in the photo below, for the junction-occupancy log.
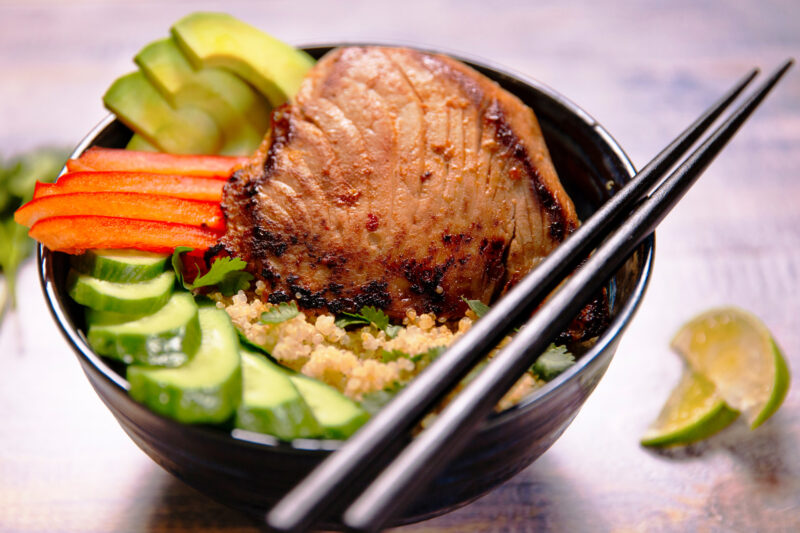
(613, 330)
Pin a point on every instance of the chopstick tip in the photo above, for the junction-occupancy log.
(780, 71)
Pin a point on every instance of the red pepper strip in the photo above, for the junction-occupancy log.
(189, 187)
(194, 265)
(75, 234)
(107, 159)
(73, 165)
(123, 205)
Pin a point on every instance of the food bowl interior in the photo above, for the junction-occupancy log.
(590, 165)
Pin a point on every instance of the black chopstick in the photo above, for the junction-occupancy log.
(432, 449)
(315, 493)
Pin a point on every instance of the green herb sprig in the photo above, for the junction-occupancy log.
(227, 273)
(477, 306)
(18, 178)
(554, 361)
(369, 315)
(280, 313)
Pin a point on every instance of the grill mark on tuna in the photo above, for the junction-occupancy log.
(425, 278)
(212, 252)
(426, 174)
(505, 285)
(305, 296)
(265, 241)
(468, 85)
(279, 296)
(349, 197)
(558, 226)
(281, 132)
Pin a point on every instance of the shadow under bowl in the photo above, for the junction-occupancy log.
(251, 472)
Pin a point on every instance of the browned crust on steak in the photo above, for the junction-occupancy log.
(397, 179)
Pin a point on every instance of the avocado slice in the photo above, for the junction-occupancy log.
(241, 113)
(165, 66)
(138, 142)
(139, 106)
(273, 67)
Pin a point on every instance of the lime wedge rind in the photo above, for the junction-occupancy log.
(713, 422)
(779, 389)
(694, 411)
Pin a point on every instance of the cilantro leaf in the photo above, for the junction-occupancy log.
(235, 281)
(374, 401)
(280, 313)
(220, 268)
(369, 315)
(375, 316)
(394, 355)
(177, 264)
(392, 330)
(430, 354)
(350, 319)
(553, 362)
(477, 306)
(227, 273)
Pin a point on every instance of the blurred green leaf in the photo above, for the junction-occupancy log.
(3, 296)
(43, 164)
(15, 246)
(18, 178)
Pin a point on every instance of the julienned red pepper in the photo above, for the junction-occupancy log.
(123, 205)
(75, 234)
(190, 187)
(105, 159)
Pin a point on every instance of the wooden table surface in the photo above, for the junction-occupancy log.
(644, 70)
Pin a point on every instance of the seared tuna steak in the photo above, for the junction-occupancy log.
(397, 179)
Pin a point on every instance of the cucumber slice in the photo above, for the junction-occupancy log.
(120, 265)
(338, 415)
(140, 298)
(270, 402)
(208, 388)
(168, 337)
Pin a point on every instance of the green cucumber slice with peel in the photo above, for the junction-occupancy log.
(169, 337)
(126, 266)
(140, 298)
(338, 415)
(208, 388)
(271, 403)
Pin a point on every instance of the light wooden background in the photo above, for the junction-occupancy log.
(645, 70)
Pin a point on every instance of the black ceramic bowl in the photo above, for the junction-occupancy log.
(251, 472)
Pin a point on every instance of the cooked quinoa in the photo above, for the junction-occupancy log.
(353, 360)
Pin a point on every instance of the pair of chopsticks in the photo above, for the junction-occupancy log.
(613, 232)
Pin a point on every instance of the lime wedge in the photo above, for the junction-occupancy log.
(734, 350)
(693, 412)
